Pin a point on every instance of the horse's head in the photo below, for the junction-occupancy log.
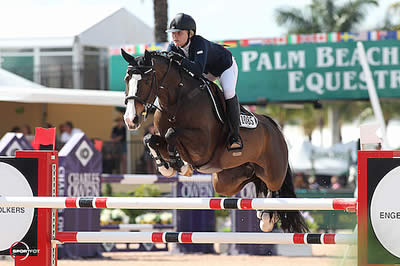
(140, 91)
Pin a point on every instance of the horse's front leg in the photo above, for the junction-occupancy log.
(175, 161)
(158, 150)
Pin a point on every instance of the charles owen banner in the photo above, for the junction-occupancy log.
(301, 72)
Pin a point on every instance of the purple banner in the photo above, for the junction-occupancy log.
(80, 167)
(12, 142)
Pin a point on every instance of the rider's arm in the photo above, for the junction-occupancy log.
(198, 64)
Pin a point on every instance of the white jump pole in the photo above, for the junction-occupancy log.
(373, 96)
(204, 237)
(181, 203)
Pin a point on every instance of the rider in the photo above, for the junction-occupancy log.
(201, 56)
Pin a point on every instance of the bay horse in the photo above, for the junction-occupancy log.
(185, 109)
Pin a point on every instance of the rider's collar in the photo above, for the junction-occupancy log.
(185, 49)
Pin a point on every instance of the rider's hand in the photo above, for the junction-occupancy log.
(175, 56)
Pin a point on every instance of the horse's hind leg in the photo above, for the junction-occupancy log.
(291, 221)
(268, 218)
(230, 181)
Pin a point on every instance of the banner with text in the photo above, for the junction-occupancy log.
(298, 72)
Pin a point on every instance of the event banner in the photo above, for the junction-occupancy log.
(300, 72)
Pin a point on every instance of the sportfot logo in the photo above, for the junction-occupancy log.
(20, 251)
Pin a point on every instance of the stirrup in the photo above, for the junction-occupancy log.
(236, 147)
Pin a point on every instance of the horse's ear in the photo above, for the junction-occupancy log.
(128, 58)
(147, 58)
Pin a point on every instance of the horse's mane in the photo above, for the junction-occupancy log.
(164, 55)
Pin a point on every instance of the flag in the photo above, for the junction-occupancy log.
(333, 36)
(306, 38)
(321, 37)
(280, 40)
(387, 35)
(230, 44)
(268, 41)
(346, 36)
(155, 47)
(373, 35)
(293, 38)
(98, 144)
(44, 136)
(115, 51)
(360, 36)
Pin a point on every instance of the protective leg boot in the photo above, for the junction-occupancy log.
(235, 141)
(174, 159)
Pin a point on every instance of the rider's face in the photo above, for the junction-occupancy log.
(180, 37)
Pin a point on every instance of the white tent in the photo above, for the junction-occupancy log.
(13, 88)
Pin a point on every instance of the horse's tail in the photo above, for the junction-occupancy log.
(291, 221)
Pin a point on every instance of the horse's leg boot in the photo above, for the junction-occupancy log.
(235, 141)
(175, 160)
(150, 141)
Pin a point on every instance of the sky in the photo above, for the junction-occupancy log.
(216, 19)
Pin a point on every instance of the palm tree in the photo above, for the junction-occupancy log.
(281, 114)
(391, 21)
(326, 16)
(160, 20)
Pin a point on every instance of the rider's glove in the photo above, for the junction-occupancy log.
(176, 57)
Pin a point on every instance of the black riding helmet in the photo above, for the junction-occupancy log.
(182, 22)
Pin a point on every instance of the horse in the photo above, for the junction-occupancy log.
(185, 117)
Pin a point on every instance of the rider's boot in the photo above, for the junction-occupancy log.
(235, 141)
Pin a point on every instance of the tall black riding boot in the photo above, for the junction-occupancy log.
(235, 141)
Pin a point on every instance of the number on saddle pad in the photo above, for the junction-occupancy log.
(248, 121)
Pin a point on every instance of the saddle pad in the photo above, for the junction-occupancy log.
(247, 119)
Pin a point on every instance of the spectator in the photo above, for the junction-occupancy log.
(16, 129)
(335, 183)
(300, 182)
(26, 129)
(313, 184)
(69, 131)
(118, 137)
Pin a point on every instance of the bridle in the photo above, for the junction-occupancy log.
(154, 86)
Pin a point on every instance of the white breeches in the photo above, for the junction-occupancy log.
(227, 80)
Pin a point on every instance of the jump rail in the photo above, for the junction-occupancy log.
(180, 203)
(128, 227)
(134, 179)
(203, 237)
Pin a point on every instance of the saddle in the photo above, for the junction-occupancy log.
(247, 118)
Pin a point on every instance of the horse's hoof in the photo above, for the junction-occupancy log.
(186, 170)
(170, 172)
(266, 227)
(267, 220)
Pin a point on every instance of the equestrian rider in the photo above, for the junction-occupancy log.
(202, 57)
